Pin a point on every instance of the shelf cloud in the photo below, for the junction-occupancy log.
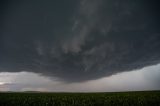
(79, 40)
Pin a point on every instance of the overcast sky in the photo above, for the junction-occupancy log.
(144, 79)
(79, 45)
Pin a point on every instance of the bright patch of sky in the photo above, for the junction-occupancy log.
(147, 78)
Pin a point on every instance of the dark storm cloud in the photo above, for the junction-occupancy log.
(79, 40)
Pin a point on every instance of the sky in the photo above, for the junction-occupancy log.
(79, 45)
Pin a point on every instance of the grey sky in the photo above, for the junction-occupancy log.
(74, 41)
(144, 79)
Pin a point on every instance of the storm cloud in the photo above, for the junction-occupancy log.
(79, 40)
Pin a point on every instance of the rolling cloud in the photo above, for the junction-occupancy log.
(79, 40)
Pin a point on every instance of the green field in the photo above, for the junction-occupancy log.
(146, 98)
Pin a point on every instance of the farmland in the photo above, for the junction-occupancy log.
(145, 98)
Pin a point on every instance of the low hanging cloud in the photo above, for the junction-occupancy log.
(79, 40)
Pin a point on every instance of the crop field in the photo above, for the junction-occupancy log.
(145, 98)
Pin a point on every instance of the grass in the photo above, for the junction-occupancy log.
(145, 98)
